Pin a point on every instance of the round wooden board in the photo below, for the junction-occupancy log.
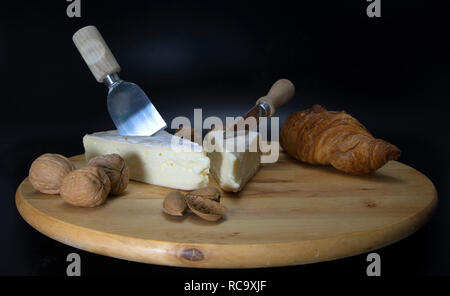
(290, 213)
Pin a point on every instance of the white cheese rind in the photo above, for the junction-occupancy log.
(233, 169)
(154, 160)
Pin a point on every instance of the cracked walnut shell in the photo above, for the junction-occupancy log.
(47, 172)
(174, 203)
(116, 169)
(208, 192)
(206, 208)
(86, 187)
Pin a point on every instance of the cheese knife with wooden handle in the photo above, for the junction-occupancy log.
(279, 94)
(129, 107)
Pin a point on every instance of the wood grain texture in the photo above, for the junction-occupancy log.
(290, 213)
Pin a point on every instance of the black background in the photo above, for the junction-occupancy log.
(392, 73)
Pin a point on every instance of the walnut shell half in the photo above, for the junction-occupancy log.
(116, 169)
(47, 172)
(208, 192)
(205, 208)
(174, 203)
(85, 187)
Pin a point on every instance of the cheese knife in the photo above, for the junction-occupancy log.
(279, 94)
(129, 107)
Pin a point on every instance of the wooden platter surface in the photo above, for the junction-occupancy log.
(290, 213)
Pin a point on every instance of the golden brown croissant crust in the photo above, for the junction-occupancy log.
(319, 136)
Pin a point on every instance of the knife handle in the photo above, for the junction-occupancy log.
(95, 52)
(279, 94)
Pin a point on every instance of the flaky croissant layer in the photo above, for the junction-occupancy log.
(319, 136)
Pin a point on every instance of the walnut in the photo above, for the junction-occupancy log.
(174, 203)
(86, 187)
(209, 192)
(116, 169)
(47, 172)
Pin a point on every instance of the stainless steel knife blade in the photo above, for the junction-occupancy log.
(131, 110)
(256, 112)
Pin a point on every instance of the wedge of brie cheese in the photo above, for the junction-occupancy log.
(161, 159)
(236, 162)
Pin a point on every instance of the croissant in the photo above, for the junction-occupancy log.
(319, 136)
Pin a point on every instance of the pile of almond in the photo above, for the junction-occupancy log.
(88, 186)
(204, 202)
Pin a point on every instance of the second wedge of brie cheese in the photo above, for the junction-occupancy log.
(161, 159)
(238, 161)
